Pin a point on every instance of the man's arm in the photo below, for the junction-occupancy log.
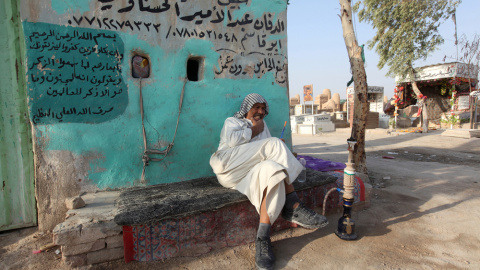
(235, 132)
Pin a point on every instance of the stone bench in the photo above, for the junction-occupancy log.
(178, 219)
(195, 217)
(147, 205)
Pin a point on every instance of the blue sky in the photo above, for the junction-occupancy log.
(317, 53)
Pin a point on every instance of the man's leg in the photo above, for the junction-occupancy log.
(294, 211)
(264, 218)
(264, 257)
(291, 199)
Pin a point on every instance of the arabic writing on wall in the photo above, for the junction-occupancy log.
(74, 75)
(442, 71)
(248, 46)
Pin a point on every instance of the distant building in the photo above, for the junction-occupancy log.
(376, 118)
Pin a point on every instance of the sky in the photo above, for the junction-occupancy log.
(317, 54)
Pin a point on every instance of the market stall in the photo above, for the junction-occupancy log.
(445, 91)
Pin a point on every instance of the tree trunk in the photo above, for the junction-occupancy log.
(415, 88)
(360, 78)
(423, 103)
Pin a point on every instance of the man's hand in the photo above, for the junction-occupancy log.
(257, 127)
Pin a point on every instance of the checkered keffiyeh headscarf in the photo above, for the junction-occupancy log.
(248, 103)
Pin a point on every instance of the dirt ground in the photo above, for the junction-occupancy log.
(424, 214)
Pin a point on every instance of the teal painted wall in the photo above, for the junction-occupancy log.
(244, 51)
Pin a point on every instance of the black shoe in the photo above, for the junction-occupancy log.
(264, 257)
(304, 217)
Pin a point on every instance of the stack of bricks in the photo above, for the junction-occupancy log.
(89, 235)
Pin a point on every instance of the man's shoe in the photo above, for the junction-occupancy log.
(304, 217)
(264, 257)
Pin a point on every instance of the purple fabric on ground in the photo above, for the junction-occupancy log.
(322, 165)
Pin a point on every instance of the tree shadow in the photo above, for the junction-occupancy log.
(401, 200)
(286, 248)
(375, 221)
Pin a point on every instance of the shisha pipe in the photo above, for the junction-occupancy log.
(283, 130)
(346, 225)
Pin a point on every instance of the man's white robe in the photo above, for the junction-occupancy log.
(251, 165)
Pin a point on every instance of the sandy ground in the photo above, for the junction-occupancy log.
(424, 214)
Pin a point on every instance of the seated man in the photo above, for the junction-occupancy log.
(249, 160)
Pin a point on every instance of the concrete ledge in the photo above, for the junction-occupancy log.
(201, 233)
(89, 235)
(165, 231)
(146, 205)
(180, 219)
(462, 133)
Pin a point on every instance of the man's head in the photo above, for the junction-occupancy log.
(253, 106)
(257, 112)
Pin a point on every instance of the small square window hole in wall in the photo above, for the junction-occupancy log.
(140, 67)
(195, 69)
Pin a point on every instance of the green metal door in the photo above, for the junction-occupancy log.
(17, 194)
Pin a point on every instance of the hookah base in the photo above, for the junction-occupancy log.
(345, 236)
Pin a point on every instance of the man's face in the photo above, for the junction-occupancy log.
(257, 112)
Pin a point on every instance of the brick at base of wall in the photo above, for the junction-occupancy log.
(114, 241)
(75, 260)
(99, 251)
(83, 248)
(105, 255)
(94, 257)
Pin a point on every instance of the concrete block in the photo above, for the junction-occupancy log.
(383, 120)
(70, 250)
(74, 202)
(317, 118)
(316, 128)
(114, 241)
(324, 127)
(75, 261)
(297, 119)
(105, 255)
(66, 231)
(77, 231)
(462, 133)
(341, 116)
